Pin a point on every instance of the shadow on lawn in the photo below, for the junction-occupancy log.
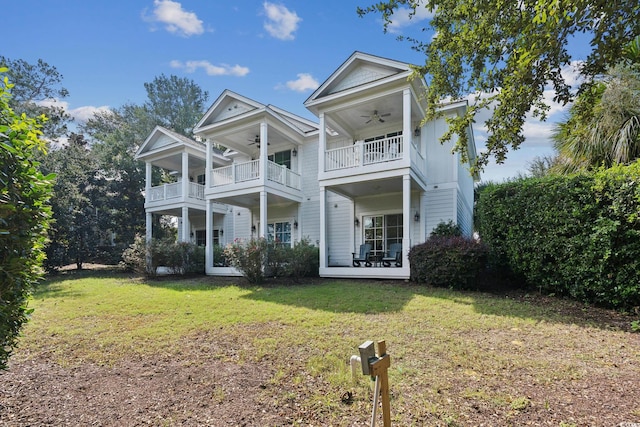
(363, 296)
(373, 297)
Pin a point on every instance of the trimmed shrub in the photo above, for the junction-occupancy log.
(304, 260)
(569, 235)
(248, 258)
(446, 229)
(257, 259)
(448, 261)
(179, 258)
(134, 257)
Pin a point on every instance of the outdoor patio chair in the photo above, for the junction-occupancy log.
(363, 256)
(394, 255)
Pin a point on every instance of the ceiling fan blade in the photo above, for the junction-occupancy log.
(368, 121)
(380, 120)
(384, 115)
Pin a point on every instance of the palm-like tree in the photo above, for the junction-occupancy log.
(603, 127)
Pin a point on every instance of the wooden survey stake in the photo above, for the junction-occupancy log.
(379, 368)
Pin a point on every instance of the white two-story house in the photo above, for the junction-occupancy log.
(369, 172)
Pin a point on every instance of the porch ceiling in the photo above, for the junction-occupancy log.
(173, 162)
(245, 139)
(353, 118)
(354, 190)
(252, 200)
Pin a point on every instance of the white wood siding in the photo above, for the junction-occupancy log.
(339, 229)
(309, 211)
(440, 207)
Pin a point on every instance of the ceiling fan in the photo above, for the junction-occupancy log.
(376, 117)
(256, 140)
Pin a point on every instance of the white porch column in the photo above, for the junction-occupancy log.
(147, 181)
(208, 252)
(423, 218)
(407, 218)
(264, 146)
(186, 234)
(407, 132)
(322, 145)
(323, 227)
(185, 176)
(209, 164)
(263, 214)
(148, 235)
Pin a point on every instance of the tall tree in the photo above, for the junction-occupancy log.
(603, 126)
(79, 193)
(37, 89)
(175, 103)
(507, 53)
(24, 217)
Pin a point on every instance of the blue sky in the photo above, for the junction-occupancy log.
(273, 52)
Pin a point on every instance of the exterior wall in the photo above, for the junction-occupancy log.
(465, 200)
(239, 223)
(441, 164)
(339, 229)
(309, 211)
(440, 207)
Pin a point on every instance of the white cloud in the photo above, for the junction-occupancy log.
(83, 114)
(282, 23)
(303, 83)
(175, 19)
(402, 18)
(210, 69)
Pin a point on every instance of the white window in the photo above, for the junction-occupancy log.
(280, 233)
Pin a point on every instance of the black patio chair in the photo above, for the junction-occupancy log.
(394, 255)
(363, 256)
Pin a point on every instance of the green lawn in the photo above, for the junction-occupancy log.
(457, 358)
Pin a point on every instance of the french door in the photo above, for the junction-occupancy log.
(380, 231)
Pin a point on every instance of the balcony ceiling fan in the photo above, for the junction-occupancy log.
(256, 140)
(376, 117)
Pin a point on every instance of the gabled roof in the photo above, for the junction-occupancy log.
(359, 70)
(229, 104)
(230, 108)
(165, 138)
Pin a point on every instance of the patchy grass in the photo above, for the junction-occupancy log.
(457, 358)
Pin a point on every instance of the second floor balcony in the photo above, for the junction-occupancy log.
(249, 173)
(173, 193)
(385, 153)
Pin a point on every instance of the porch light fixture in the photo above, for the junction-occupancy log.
(221, 232)
(356, 222)
(416, 217)
(295, 224)
(294, 152)
(416, 132)
(253, 228)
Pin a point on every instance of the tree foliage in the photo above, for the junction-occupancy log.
(24, 217)
(175, 103)
(37, 88)
(78, 203)
(603, 127)
(507, 53)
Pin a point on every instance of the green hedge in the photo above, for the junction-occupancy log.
(454, 262)
(569, 235)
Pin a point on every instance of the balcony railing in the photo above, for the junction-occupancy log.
(364, 153)
(248, 171)
(174, 190)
